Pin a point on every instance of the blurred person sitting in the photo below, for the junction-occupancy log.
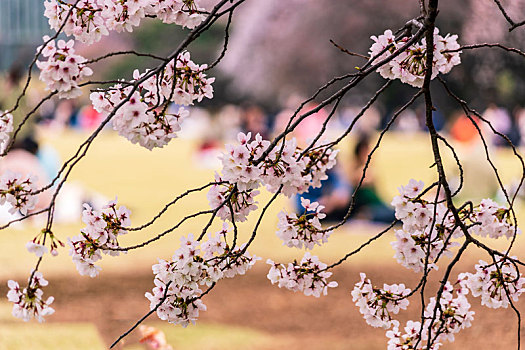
(334, 194)
(367, 203)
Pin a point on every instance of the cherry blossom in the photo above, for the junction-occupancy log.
(37, 249)
(308, 276)
(304, 230)
(283, 168)
(63, 70)
(410, 65)
(428, 228)
(412, 249)
(144, 117)
(319, 160)
(182, 12)
(123, 15)
(494, 221)
(444, 321)
(29, 302)
(6, 127)
(98, 237)
(377, 305)
(89, 20)
(86, 22)
(38, 245)
(407, 340)
(237, 161)
(225, 196)
(495, 283)
(17, 191)
(453, 313)
(177, 282)
(286, 166)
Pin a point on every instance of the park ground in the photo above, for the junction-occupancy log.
(243, 313)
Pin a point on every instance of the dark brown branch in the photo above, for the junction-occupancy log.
(128, 52)
(487, 45)
(348, 52)
(362, 246)
(162, 300)
(166, 207)
(513, 25)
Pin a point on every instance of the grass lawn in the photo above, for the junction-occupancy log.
(15, 334)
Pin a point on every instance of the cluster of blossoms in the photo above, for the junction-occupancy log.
(495, 283)
(303, 230)
(410, 65)
(426, 234)
(224, 195)
(412, 248)
(37, 247)
(410, 339)
(17, 190)
(99, 236)
(427, 228)
(284, 167)
(452, 315)
(493, 221)
(185, 13)
(177, 282)
(6, 127)
(237, 161)
(144, 117)
(319, 160)
(377, 305)
(29, 302)
(89, 20)
(63, 69)
(308, 276)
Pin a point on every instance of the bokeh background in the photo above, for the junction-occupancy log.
(279, 54)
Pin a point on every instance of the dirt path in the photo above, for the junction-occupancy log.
(114, 303)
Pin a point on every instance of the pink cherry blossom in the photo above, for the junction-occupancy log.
(308, 276)
(17, 191)
(98, 237)
(178, 281)
(304, 230)
(410, 65)
(29, 302)
(63, 70)
(378, 304)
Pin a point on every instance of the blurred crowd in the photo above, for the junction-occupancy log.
(214, 126)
